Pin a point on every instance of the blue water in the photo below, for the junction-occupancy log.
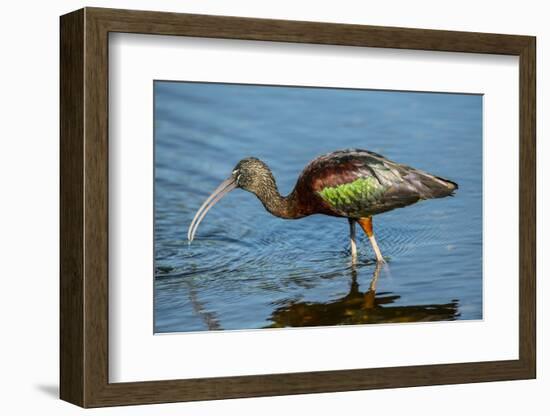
(247, 269)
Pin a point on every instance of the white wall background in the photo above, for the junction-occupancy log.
(29, 85)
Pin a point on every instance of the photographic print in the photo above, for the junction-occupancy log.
(386, 184)
(290, 206)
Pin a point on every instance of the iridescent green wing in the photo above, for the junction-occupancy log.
(356, 198)
(358, 183)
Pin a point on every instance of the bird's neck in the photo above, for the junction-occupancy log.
(278, 205)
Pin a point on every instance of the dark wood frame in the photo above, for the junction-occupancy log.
(84, 207)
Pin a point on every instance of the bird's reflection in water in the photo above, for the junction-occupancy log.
(360, 308)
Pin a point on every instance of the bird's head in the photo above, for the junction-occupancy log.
(250, 174)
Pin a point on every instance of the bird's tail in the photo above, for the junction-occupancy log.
(436, 186)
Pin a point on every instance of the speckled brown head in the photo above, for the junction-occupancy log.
(250, 174)
(253, 175)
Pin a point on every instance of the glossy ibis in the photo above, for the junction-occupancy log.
(354, 184)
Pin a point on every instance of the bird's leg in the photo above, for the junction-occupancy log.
(366, 225)
(352, 240)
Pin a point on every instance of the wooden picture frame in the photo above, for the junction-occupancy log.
(84, 207)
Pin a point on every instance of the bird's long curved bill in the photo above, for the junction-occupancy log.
(222, 190)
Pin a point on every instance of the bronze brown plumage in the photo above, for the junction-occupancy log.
(353, 183)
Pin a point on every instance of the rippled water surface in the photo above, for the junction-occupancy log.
(247, 269)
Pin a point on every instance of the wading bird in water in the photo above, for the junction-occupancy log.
(354, 184)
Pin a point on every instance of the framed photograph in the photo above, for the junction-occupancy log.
(254, 207)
